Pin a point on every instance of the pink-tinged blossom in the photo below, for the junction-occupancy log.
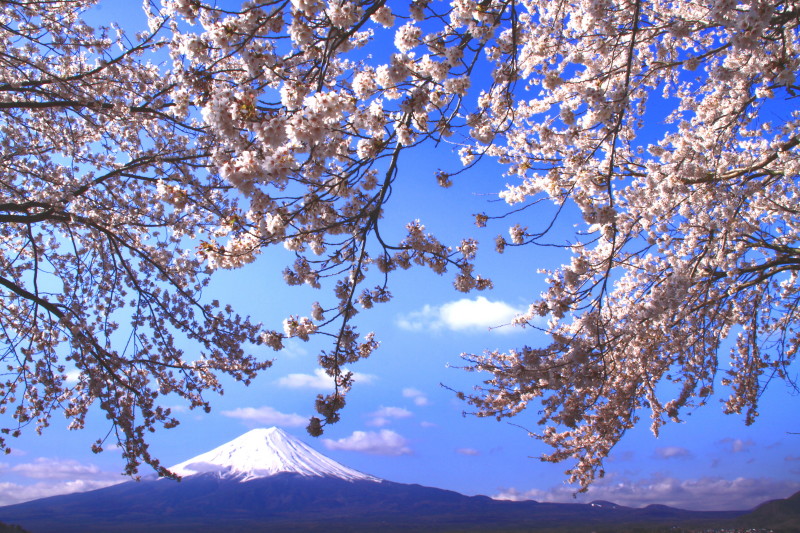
(407, 37)
(384, 16)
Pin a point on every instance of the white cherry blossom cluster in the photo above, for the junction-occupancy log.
(117, 212)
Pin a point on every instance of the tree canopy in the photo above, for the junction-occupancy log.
(134, 167)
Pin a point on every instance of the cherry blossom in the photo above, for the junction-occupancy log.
(108, 216)
(689, 234)
(312, 139)
(146, 164)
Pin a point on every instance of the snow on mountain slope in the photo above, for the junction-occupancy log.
(263, 453)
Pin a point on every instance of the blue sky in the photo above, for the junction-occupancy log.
(400, 423)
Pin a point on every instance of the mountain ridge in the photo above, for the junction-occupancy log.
(292, 502)
(269, 480)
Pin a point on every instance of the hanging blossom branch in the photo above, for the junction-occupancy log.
(101, 186)
(692, 238)
(303, 133)
(126, 184)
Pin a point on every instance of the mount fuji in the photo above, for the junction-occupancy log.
(268, 480)
(262, 453)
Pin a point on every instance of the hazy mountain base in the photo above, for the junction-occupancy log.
(267, 480)
(289, 502)
(779, 515)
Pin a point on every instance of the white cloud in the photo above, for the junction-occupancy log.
(461, 315)
(383, 416)
(383, 442)
(266, 416)
(418, 397)
(704, 494)
(319, 380)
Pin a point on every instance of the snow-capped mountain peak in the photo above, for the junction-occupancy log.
(265, 452)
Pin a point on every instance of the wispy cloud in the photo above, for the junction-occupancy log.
(46, 468)
(318, 380)
(383, 442)
(623, 456)
(55, 476)
(384, 415)
(417, 396)
(462, 315)
(11, 493)
(468, 451)
(708, 493)
(293, 348)
(672, 452)
(267, 416)
(732, 445)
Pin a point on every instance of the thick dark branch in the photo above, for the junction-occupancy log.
(76, 104)
(38, 300)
